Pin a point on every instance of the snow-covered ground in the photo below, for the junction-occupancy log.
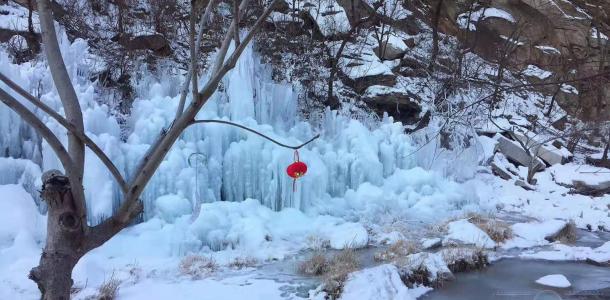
(366, 185)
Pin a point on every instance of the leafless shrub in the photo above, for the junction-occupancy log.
(399, 249)
(315, 265)
(197, 266)
(109, 289)
(317, 243)
(243, 262)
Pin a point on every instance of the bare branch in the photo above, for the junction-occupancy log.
(66, 92)
(236, 16)
(224, 47)
(52, 140)
(256, 132)
(187, 80)
(72, 129)
(230, 64)
(194, 49)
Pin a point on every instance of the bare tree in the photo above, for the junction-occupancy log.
(69, 237)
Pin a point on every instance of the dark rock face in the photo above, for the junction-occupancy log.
(154, 42)
(559, 38)
(400, 106)
(362, 83)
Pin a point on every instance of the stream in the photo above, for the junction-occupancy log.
(505, 279)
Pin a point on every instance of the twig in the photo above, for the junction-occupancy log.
(258, 133)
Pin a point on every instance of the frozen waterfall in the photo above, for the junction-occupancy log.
(352, 168)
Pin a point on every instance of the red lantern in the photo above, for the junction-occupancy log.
(296, 169)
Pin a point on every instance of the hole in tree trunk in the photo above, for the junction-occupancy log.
(69, 221)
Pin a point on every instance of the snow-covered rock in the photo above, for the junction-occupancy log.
(554, 280)
(379, 283)
(434, 263)
(431, 243)
(583, 176)
(392, 47)
(515, 152)
(348, 235)
(533, 234)
(464, 232)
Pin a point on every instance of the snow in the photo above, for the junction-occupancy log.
(467, 233)
(548, 49)
(234, 201)
(379, 90)
(561, 252)
(594, 33)
(535, 71)
(348, 235)
(511, 40)
(396, 42)
(433, 262)
(379, 283)
(554, 280)
(15, 17)
(328, 15)
(568, 89)
(429, 243)
(19, 215)
(170, 207)
(482, 14)
(533, 234)
(573, 174)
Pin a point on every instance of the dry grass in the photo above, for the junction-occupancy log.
(316, 265)
(334, 270)
(197, 266)
(567, 235)
(497, 230)
(317, 243)
(243, 262)
(109, 289)
(399, 249)
(464, 259)
(339, 267)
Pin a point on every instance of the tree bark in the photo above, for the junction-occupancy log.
(65, 239)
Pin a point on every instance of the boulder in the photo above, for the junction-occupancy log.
(549, 153)
(392, 48)
(514, 152)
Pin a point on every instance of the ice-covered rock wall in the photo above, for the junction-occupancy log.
(216, 162)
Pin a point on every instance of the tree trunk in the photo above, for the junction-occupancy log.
(435, 21)
(65, 239)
